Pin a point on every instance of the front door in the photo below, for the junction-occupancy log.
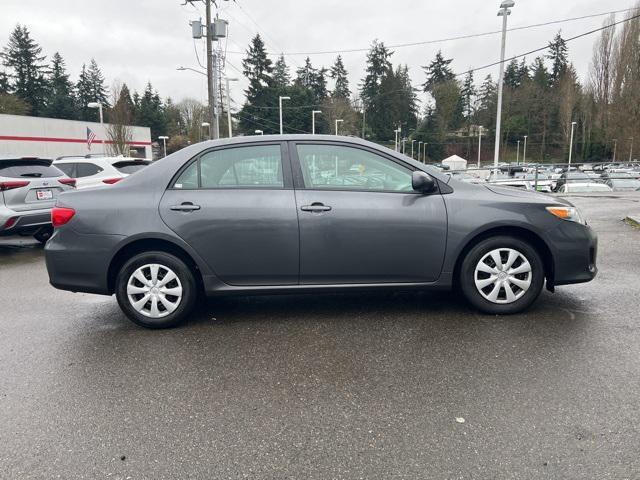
(361, 221)
(236, 207)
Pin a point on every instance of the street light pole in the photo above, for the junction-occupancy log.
(424, 157)
(97, 105)
(615, 146)
(524, 150)
(518, 154)
(412, 142)
(419, 149)
(339, 120)
(164, 139)
(631, 148)
(280, 99)
(504, 13)
(479, 143)
(313, 121)
(573, 124)
(403, 142)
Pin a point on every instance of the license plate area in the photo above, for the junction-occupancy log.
(44, 194)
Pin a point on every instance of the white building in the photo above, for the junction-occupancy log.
(51, 137)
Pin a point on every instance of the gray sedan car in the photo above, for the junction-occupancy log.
(309, 213)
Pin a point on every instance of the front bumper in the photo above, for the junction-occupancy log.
(22, 223)
(575, 249)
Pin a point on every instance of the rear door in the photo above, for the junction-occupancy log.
(360, 219)
(30, 184)
(236, 207)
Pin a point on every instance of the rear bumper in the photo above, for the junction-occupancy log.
(80, 263)
(23, 222)
(575, 251)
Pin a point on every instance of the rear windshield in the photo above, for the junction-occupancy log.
(131, 166)
(28, 169)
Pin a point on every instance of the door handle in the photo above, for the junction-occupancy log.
(185, 207)
(315, 207)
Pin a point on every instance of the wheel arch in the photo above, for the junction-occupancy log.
(513, 231)
(141, 245)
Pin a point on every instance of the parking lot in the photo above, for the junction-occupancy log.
(333, 386)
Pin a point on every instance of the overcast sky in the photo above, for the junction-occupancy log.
(136, 41)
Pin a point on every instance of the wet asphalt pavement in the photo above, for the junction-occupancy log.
(331, 386)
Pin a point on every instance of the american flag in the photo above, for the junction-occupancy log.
(90, 137)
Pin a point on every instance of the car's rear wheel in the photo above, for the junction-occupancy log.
(156, 290)
(502, 275)
(43, 234)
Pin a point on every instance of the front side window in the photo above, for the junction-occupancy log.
(347, 168)
(243, 167)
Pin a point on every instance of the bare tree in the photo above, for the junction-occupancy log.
(601, 74)
(193, 113)
(119, 132)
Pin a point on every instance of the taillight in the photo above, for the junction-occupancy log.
(68, 181)
(111, 181)
(10, 223)
(10, 185)
(61, 215)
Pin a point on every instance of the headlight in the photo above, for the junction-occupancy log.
(571, 214)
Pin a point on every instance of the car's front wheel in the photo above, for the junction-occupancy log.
(502, 275)
(156, 290)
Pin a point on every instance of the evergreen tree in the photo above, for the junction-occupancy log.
(319, 85)
(150, 112)
(306, 75)
(23, 57)
(468, 94)
(281, 76)
(60, 95)
(378, 65)
(4, 83)
(438, 71)
(512, 74)
(341, 83)
(559, 58)
(98, 87)
(84, 95)
(257, 67)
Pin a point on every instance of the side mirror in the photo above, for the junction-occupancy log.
(423, 183)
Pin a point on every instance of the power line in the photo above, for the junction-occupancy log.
(567, 40)
(442, 40)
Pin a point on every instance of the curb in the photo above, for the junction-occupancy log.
(633, 220)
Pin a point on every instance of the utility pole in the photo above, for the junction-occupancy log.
(615, 145)
(504, 12)
(403, 142)
(419, 149)
(518, 154)
(524, 151)
(424, 157)
(211, 74)
(631, 148)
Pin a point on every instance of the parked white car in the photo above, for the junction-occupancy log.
(584, 187)
(94, 171)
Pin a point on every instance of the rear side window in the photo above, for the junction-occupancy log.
(67, 168)
(131, 166)
(241, 167)
(87, 169)
(28, 169)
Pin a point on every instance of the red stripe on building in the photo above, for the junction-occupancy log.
(62, 140)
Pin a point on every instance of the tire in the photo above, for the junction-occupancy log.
(484, 283)
(43, 234)
(174, 299)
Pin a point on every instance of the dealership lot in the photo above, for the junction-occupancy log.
(332, 386)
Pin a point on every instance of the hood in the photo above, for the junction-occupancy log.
(533, 196)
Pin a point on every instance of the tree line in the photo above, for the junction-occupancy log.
(541, 99)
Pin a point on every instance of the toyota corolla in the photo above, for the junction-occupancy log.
(309, 213)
